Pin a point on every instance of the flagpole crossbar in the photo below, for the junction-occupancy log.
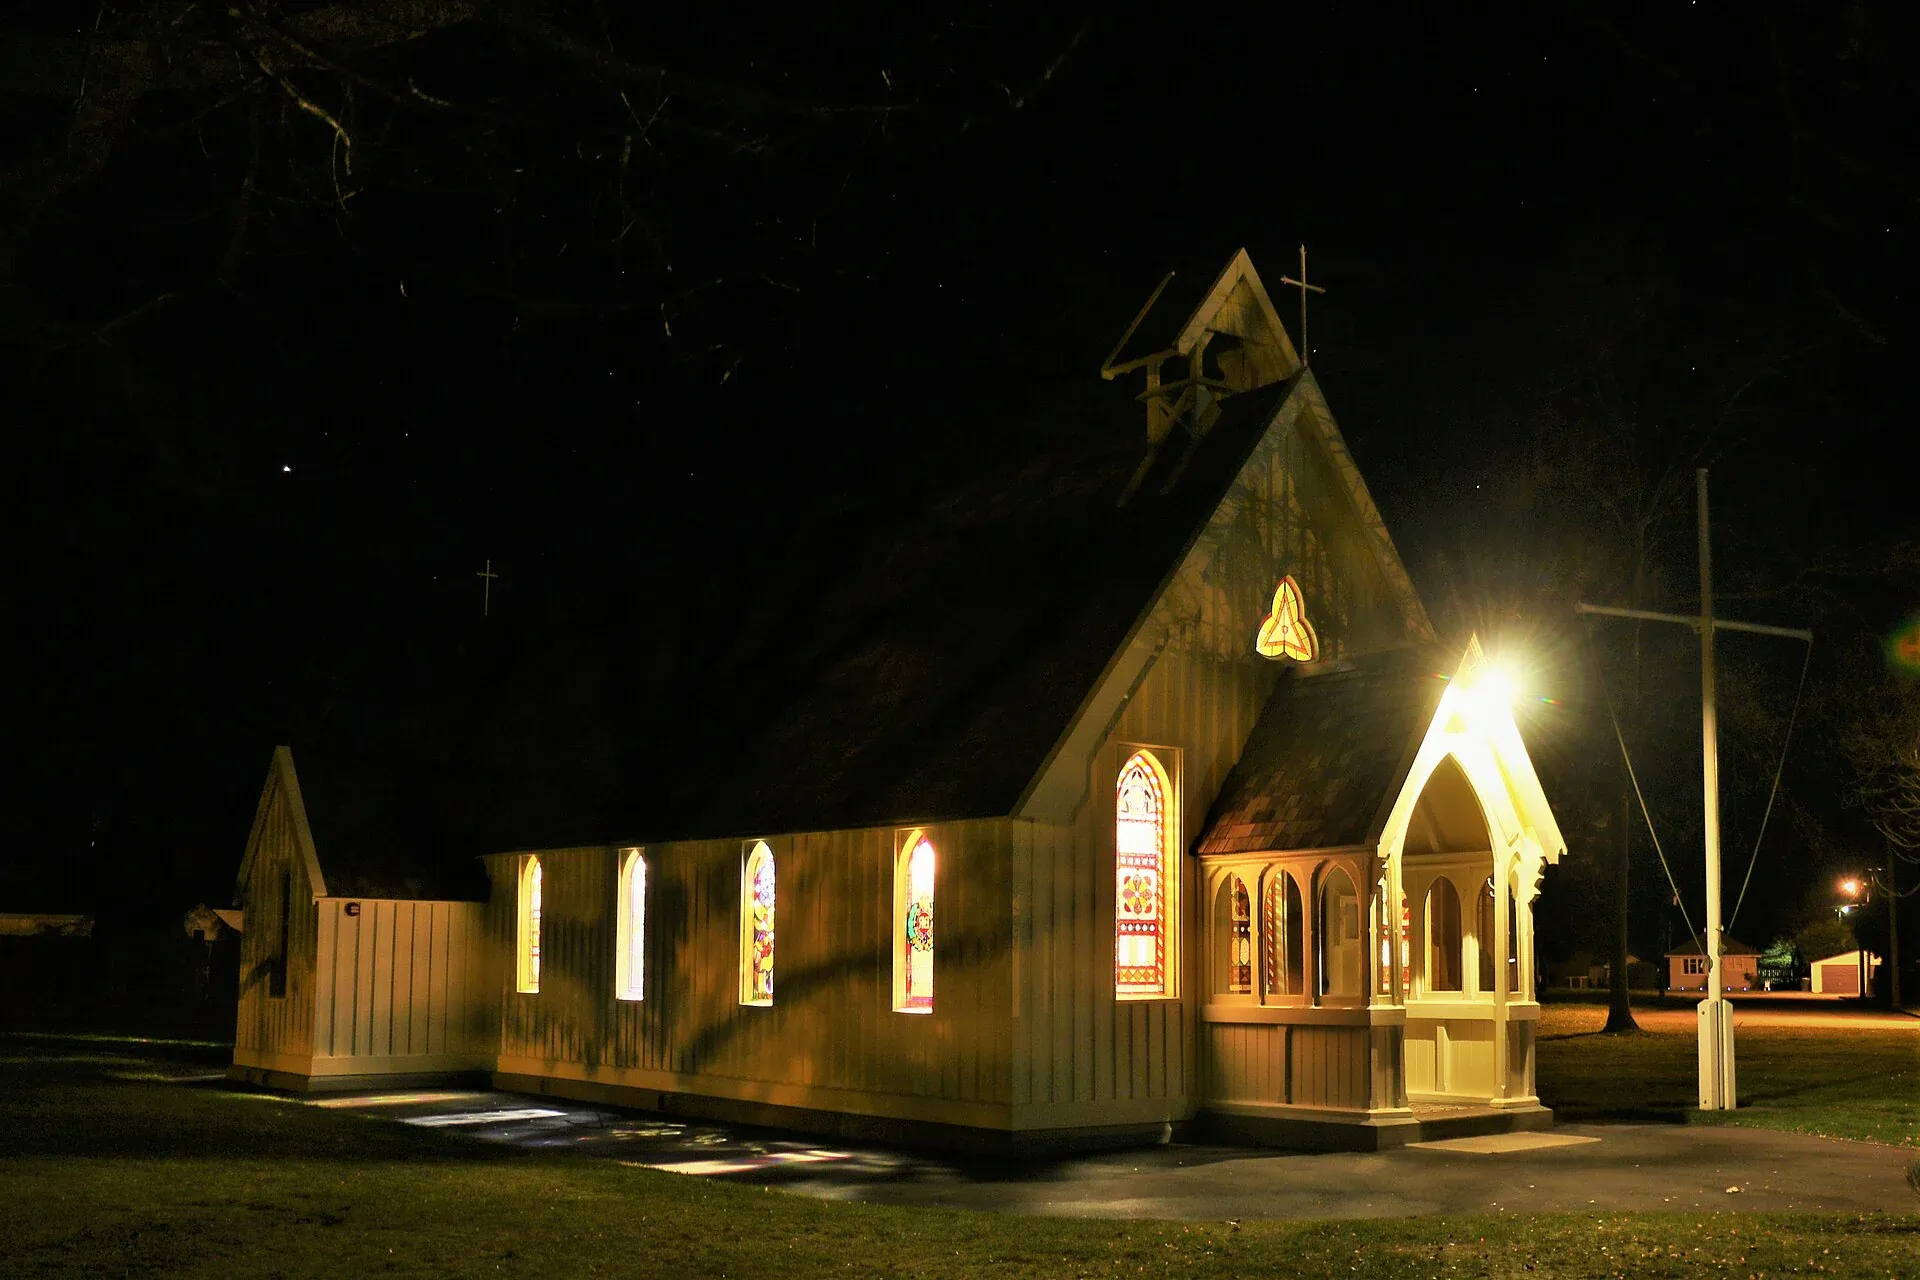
(1693, 621)
(1718, 1087)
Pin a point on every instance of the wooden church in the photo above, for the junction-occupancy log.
(1179, 819)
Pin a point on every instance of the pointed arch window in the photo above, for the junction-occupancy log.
(1233, 938)
(527, 952)
(913, 926)
(1146, 884)
(630, 958)
(1282, 926)
(756, 926)
(1340, 941)
(1443, 937)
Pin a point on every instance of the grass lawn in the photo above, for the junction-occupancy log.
(106, 1167)
(1837, 1082)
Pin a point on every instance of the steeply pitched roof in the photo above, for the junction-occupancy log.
(1190, 300)
(911, 658)
(1329, 754)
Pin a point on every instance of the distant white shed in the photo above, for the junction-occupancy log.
(1839, 974)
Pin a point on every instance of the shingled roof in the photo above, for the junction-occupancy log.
(1330, 753)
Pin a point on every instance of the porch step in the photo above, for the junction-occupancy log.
(1308, 1129)
(1440, 1123)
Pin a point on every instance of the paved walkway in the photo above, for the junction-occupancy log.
(1586, 1167)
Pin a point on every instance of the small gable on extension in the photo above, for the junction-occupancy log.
(1388, 752)
(343, 823)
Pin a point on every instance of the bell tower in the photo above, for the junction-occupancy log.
(1228, 339)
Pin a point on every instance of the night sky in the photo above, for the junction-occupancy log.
(268, 417)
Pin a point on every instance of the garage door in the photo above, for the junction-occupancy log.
(1840, 979)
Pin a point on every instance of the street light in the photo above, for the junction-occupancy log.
(1860, 891)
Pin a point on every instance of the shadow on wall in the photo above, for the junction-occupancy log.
(602, 1040)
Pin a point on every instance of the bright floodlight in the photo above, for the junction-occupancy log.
(1850, 887)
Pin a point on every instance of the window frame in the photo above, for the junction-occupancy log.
(1449, 944)
(908, 843)
(1323, 993)
(1164, 762)
(630, 933)
(529, 912)
(750, 855)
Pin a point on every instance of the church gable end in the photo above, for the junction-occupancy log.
(1287, 503)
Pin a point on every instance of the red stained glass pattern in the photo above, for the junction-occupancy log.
(1241, 978)
(1140, 924)
(758, 984)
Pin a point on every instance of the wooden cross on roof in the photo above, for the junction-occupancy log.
(1304, 288)
(486, 591)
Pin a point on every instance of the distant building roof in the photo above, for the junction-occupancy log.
(30, 924)
(213, 922)
(1729, 946)
(1846, 957)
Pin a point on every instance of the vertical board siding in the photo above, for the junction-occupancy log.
(831, 1025)
(1079, 1044)
(390, 983)
(276, 1027)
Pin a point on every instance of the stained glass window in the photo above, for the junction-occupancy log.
(756, 927)
(1285, 632)
(530, 925)
(1240, 967)
(1143, 879)
(630, 961)
(913, 983)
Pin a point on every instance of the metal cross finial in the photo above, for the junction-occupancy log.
(486, 591)
(1304, 288)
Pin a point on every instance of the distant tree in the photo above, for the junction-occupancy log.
(1645, 372)
(1880, 741)
(552, 160)
(1877, 732)
(1821, 936)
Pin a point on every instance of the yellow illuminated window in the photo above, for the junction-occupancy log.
(529, 932)
(913, 927)
(630, 959)
(1145, 880)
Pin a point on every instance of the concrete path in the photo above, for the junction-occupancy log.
(1609, 1168)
